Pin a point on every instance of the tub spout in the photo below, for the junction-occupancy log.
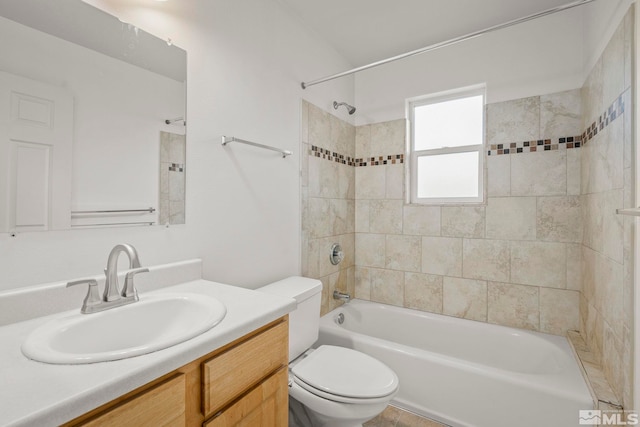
(341, 296)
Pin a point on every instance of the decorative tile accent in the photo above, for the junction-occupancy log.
(615, 110)
(535, 146)
(176, 167)
(380, 160)
(332, 156)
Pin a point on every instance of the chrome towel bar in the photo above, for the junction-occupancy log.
(114, 211)
(228, 139)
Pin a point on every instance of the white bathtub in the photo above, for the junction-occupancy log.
(466, 373)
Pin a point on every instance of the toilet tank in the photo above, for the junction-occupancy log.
(304, 321)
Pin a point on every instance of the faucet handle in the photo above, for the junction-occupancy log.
(93, 297)
(129, 290)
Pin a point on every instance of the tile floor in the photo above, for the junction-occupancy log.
(395, 417)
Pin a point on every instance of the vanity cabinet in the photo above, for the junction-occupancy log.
(241, 384)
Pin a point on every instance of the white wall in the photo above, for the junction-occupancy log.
(538, 57)
(245, 64)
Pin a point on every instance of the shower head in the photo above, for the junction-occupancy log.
(350, 108)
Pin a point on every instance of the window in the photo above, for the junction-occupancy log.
(447, 147)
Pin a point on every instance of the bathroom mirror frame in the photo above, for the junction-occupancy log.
(127, 91)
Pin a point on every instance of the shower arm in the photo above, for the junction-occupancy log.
(448, 42)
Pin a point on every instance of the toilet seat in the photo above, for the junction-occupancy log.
(344, 375)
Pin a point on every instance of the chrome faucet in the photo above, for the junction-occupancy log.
(112, 297)
(341, 296)
(111, 290)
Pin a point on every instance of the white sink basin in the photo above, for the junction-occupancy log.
(155, 322)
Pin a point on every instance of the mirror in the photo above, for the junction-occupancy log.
(92, 120)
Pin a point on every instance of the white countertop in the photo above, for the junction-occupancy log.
(34, 393)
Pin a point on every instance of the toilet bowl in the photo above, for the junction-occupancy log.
(329, 386)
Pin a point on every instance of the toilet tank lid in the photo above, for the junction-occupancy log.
(299, 288)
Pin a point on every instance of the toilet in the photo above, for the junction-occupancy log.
(329, 386)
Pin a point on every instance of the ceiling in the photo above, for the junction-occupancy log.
(364, 31)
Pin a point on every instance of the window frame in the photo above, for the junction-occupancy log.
(412, 178)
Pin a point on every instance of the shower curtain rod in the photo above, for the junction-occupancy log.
(449, 42)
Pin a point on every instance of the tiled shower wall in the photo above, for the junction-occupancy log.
(515, 261)
(328, 201)
(547, 252)
(606, 304)
(171, 200)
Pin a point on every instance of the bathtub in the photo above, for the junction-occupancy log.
(465, 373)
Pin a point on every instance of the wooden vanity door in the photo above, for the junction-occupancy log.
(265, 405)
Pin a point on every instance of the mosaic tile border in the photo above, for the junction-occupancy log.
(564, 143)
(320, 152)
(176, 167)
(615, 110)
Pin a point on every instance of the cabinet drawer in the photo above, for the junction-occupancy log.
(265, 405)
(161, 405)
(232, 373)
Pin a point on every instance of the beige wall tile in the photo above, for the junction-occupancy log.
(421, 220)
(370, 250)
(574, 159)
(613, 226)
(513, 305)
(362, 216)
(320, 128)
(613, 67)
(539, 174)
(318, 220)
(423, 292)
(385, 216)
(574, 266)
(627, 130)
(346, 181)
(539, 264)
(511, 218)
(304, 122)
(387, 286)
(463, 221)
(465, 298)
(499, 176)
(561, 114)
(404, 253)
(343, 134)
(609, 292)
(371, 182)
(559, 311)
(442, 255)
(394, 181)
(559, 219)
(486, 259)
(592, 100)
(348, 243)
(363, 283)
(323, 178)
(388, 137)
(592, 217)
(511, 121)
(339, 217)
(363, 141)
